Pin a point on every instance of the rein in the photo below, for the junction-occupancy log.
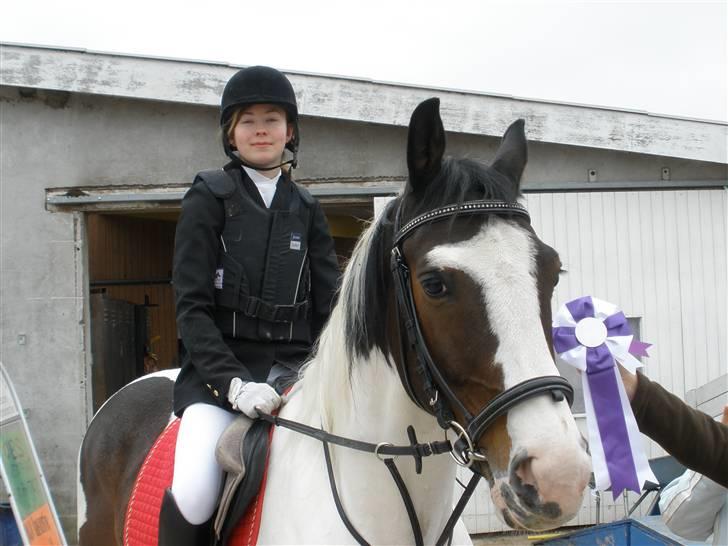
(463, 451)
(414, 449)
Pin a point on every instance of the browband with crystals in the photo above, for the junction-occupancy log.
(469, 207)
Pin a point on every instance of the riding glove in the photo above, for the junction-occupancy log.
(249, 396)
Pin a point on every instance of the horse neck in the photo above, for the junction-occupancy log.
(365, 400)
(356, 395)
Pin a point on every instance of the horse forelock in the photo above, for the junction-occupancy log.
(460, 180)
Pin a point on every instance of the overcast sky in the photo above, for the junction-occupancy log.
(664, 57)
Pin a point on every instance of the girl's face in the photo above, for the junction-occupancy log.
(261, 134)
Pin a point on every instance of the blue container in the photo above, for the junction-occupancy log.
(626, 532)
(9, 534)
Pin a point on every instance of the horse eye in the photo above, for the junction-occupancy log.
(433, 286)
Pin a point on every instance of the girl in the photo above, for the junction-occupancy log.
(254, 275)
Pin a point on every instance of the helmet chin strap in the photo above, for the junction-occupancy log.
(293, 162)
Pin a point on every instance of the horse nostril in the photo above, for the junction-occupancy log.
(524, 470)
(523, 480)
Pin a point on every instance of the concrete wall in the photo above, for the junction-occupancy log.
(57, 139)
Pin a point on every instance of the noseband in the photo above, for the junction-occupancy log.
(433, 381)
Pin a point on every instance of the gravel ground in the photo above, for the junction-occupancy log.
(500, 539)
(506, 539)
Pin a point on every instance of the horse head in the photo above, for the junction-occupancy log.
(479, 283)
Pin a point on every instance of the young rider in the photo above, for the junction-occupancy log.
(254, 275)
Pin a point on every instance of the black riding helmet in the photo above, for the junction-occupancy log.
(258, 85)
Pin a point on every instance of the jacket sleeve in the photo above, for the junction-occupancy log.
(324, 270)
(196, 248)
(690, 505)
(689, 435)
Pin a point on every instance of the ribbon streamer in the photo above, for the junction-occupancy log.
(592, 335)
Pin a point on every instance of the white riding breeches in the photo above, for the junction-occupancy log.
(197, 476)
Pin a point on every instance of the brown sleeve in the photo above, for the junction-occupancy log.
(689, 435)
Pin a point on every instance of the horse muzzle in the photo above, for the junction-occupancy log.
(540, 493)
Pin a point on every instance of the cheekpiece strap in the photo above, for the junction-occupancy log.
(469, 207)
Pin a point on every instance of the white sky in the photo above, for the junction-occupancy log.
(663, 57)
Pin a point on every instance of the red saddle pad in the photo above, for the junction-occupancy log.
(141, 526)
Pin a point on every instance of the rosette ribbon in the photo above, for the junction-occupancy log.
(592, 335)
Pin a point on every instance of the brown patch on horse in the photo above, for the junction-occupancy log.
(112, 452)
(548, 264)
(458, 334)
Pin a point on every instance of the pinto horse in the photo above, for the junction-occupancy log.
(443, 322)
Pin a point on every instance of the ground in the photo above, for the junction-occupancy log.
(507, 539)
(500, 539)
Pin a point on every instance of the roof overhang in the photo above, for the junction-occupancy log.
(201, 83)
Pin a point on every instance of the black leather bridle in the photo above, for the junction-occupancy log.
(432, 380)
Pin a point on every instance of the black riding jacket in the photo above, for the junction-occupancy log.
(253, 286)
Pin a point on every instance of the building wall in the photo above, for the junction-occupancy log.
(86, 140)
(57, 139)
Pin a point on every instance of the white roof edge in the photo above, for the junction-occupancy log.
(365, 100)
(365, 79)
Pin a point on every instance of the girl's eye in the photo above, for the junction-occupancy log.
(433, 286)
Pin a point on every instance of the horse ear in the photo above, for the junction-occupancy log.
(425, 144)
(512, 154)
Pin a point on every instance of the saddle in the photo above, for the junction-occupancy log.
(242, 452)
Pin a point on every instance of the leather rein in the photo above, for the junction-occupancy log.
(464, 450)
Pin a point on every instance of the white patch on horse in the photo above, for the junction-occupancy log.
(502, 260)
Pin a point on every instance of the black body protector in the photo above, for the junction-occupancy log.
(262, 280)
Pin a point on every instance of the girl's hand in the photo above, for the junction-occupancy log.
(249, 397)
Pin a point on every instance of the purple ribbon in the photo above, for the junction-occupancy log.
(605, 393)
(639, 348)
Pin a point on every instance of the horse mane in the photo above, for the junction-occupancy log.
(357, 328)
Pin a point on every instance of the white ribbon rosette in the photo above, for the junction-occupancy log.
(592, 335)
